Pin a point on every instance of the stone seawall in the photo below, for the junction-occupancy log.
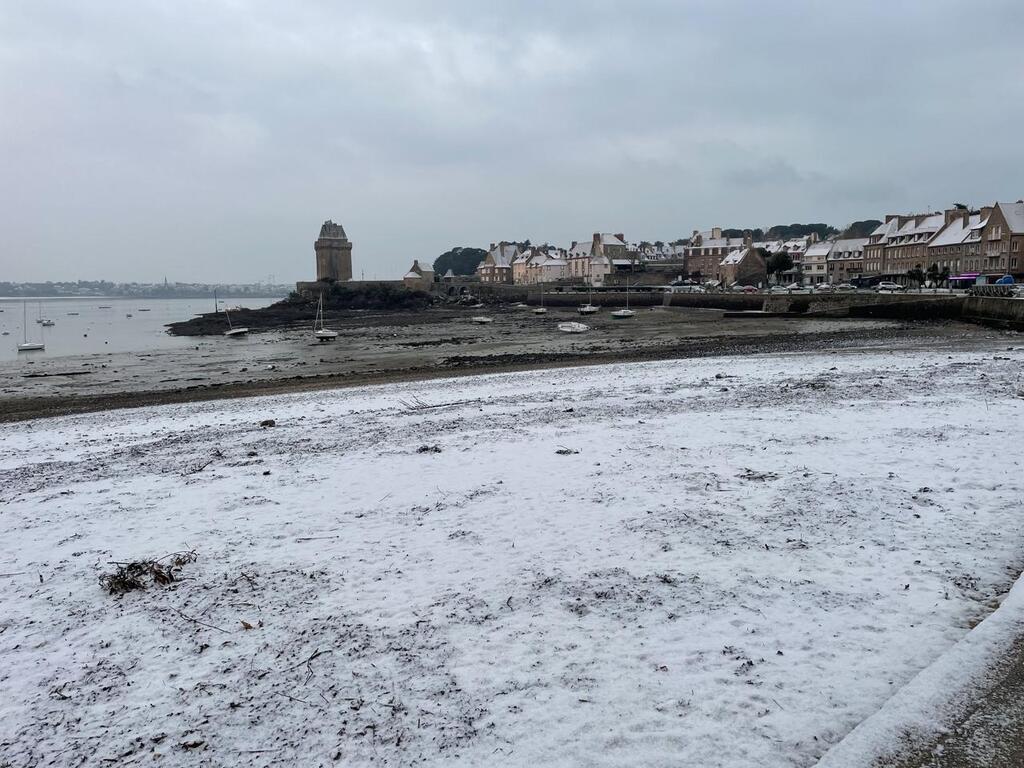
(1005, 312)
(896, 305)
(736, 302)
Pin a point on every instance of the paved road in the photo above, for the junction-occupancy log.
(992, 734)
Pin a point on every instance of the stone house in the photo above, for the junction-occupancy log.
(1002, 239)
(846, 260)
(547, 265)
(907, 247)
(874, 248)
(745, 266)
(703, 254)
(957, 245)
(497, 264)
(418, 278)
(592, 261)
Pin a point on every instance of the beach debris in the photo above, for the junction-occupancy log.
(415, 404)
(139, 574)
(563, 451)
(750, 474)
(429, 449)
(268, 423)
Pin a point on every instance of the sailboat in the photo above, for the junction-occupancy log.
(621, 314)
(319, 330)
(541, 310)
(589, 308)
(42, 320)
(573, 327)
(232, 332)
(28, 346)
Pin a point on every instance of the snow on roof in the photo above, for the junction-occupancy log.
(772, 246)
(582, 248)
(886, 230)
(955, 232)
(819, 249)
(850, 244)
(410, 274)
(735, 257)
(503, 253)
(1014, 215)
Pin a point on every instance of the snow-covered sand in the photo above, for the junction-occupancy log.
(715, 562)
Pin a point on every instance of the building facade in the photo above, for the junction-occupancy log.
(419, 278)
(814, 262)
(703, 254)
(846, 260)
(1002, 239)
(743, 266)
(497, 264)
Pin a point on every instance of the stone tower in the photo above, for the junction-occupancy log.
(333, 253)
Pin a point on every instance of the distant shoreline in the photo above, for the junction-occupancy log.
(144, 296)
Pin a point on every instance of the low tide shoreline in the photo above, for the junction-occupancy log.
(380, 348)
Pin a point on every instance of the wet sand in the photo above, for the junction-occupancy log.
(376, 347)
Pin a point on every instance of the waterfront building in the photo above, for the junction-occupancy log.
(497, 264)
(814, 262)
(704, 252)
(1002, 239)
(745, 266)
(418, 278)
(846, 260)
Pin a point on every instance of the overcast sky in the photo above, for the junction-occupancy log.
(209, 139)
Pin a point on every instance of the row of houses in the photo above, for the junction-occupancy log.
(969, 244)
(972, 244)
(588, 261)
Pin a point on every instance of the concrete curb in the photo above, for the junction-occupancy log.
(939, 696)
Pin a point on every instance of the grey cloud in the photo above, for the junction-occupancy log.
(208, 140)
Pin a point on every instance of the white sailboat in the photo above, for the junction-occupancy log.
(42, 320)
(622, 314)
(541, 310)
(26, 345)
(481, 320)
(320, 331)
(232, 332)
(589, 308)
(573, 327)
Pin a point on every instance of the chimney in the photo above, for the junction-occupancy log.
(621, 236)
(492, 247)
(716, 233)
(748, 238)
(986, 211)
(890, 216)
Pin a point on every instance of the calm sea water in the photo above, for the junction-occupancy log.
(82, 327)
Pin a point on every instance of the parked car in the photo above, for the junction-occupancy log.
(845, 287)
(778, 289)
(887, 285)
(687, 289)
(823, 288)
(794, 287)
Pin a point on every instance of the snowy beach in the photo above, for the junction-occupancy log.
(713, 562)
